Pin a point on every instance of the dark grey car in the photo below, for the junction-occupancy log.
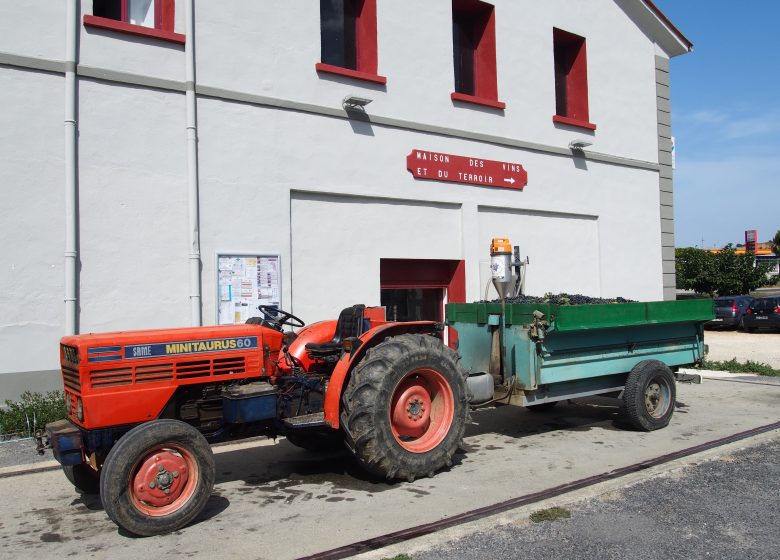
(763, 313)
(729, 311)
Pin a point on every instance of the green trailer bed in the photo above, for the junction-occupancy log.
(550, 352)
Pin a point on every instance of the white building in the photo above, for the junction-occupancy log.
(103, 101)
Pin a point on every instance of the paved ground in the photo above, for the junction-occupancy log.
(276, 501)
(759, 347)
(724, 508)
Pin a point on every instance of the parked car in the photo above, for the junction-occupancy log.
(762, 313)
(729, 311)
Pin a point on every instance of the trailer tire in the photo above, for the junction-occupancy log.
(649, 396)
(384, 417)
(148, 460)
(85, 480)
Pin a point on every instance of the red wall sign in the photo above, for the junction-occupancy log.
(471, 171)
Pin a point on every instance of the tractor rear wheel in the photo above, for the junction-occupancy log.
(405, 408)
(157, 478)
(86, 480)
(649, 395)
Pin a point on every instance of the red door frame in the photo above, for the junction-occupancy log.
(426, 273)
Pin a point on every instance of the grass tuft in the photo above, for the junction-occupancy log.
(399, 557)
(550, 514)
(734, 366)
(31, 412)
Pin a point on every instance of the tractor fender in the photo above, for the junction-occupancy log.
(341, 373)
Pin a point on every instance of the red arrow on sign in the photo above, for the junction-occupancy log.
(436, 166)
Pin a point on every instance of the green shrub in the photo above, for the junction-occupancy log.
(31, 412)
(734, 366)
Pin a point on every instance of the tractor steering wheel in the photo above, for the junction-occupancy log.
(278, 318)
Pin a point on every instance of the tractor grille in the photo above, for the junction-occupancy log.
(157, 372)
(113, 377)
(71, 379)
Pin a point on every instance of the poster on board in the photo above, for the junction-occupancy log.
(244, 282)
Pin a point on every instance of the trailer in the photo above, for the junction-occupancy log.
(535, 355)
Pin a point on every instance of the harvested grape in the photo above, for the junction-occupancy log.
(563, 299)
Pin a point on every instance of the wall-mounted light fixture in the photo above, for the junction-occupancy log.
(355, 103)
(579, 144)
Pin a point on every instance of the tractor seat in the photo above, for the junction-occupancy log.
(349, 325)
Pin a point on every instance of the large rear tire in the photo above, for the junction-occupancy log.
(649, 395)
(405, 408)
(86, 480)
(157, 478)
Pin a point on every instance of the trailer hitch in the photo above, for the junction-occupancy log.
(42, 442)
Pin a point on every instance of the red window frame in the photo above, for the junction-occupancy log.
(164, 18)
(366, 50)
(571, 80)
(474, 23)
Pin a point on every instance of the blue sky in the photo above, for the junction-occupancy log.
(726, 120)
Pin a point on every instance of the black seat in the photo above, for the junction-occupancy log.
(349, 325)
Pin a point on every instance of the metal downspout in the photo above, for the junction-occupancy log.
(196, 318)
(71, 170)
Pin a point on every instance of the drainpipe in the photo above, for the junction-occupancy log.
(192, 166)
(71, 170)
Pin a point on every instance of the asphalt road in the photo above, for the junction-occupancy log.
(762, 346)
(277, 501)
(725, 508)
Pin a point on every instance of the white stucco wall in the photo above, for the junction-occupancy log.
(330, 196)
(32, 220)
(277, 59)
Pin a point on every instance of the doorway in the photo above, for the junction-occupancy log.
(418, 289)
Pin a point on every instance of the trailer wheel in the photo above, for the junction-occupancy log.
(649, 395)
(405, 408)
(157, 478)
(86, 480)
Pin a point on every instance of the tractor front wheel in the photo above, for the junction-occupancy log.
(405, 408)
(157, 478)
(83, 478)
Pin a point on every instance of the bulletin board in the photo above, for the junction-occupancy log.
(244, 282)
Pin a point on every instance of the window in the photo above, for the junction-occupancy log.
(474, 53)
(146, 18)
(349, 39)
(571, 80)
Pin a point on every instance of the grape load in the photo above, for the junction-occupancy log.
(563, 299)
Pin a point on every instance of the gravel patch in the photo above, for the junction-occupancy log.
(21, 452)
(721, 509)
(761, 346)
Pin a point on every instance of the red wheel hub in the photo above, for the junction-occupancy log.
(421, 410)
(164, 480)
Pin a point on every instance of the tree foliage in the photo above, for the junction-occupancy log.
(776, 243)
(720, 273)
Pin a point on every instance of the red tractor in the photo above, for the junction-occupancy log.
(143, 406)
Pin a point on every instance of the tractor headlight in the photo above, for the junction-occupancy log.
(68, 404)
(79, 409)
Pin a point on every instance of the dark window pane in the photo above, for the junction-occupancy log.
(111, 9)
(562, 67)
(338, 19)
(463, 53)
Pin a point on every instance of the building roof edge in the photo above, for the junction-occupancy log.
(666, 22)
